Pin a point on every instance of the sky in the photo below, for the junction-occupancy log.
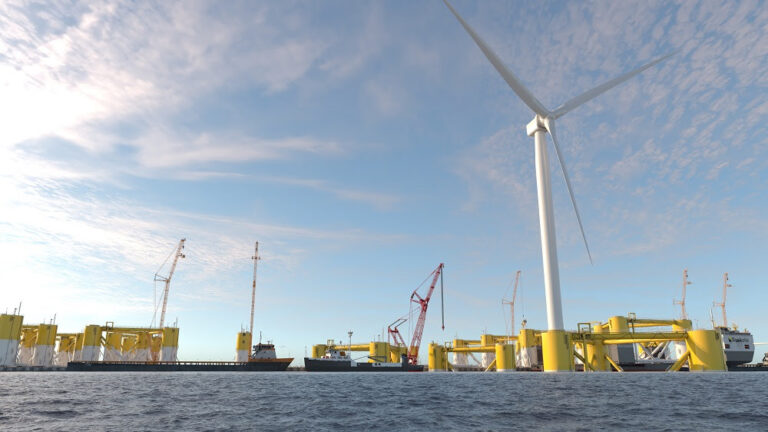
(364, 143)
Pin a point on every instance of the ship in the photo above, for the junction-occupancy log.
(739, 346)
(262, 359)
(339, 361)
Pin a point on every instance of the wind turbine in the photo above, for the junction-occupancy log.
(543, 123)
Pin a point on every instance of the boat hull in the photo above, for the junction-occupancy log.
(263, 365)
(321, 365)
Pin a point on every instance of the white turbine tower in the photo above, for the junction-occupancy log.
(543, 122)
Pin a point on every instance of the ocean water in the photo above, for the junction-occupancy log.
(227, 401)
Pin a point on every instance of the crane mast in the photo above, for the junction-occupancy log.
(686, 282)
(726, 285)
(423, 302)
(255, 259)
(178, 254)
(511, 304)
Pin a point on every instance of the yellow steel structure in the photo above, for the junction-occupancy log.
(528, 345)
(113, 346)
(27, 345)
(679, 363)
(473, 349)
(79, 342)
(596, 341)
(66, 350)
(10, 335)
(396, 353)
(243, 346)
(595, 352)
(67, 343)
(29, 337)
(505, 357)
(129, 347)
(143, 343)
(438, 358)
(45, 344)
(557, 351)
(243, 341)
(378, 352)
(155, 345)
(91, 343)
(169, 344)
(706, 351)
(319, 350)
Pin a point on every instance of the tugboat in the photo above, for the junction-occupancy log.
(335, 360)
(263, 358)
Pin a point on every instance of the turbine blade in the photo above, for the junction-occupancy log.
(550, 125)
(522, 92)
(591, 94)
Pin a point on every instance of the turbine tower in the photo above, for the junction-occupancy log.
(555, 340)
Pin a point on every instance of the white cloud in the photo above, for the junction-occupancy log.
(163, 148)
(120, 60)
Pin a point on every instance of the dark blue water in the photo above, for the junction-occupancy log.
(382, 401)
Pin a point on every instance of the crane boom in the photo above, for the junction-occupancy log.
(511, 304)
(255, 259)
(396, 339)
(423, 302)
(178, 254)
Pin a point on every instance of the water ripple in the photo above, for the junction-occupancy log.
(382, 401)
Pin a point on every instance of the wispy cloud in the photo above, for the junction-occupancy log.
(173, 149)
(118, 60)
(378, 200)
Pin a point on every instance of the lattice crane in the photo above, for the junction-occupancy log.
(511, 304)
(423, 304)
(167, 279)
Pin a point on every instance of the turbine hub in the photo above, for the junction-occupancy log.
(536, 125)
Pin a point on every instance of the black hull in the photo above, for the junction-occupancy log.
(748, 368)
(319, 365)
(275, 365)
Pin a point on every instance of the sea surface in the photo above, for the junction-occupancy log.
(231, 401)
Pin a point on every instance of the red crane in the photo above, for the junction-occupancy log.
(423, 303)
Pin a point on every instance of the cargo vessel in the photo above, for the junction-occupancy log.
(262, 359)
(339, 361)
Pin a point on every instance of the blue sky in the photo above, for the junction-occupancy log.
(363, 143)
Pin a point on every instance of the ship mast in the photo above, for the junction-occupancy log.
(726, 285)
(686, 282)
(255, 259)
